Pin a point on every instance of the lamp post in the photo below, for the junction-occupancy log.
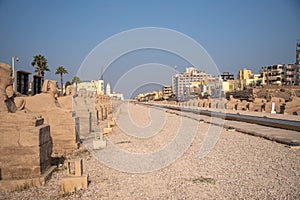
(13, 58)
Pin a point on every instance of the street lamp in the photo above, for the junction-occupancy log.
(13, 58)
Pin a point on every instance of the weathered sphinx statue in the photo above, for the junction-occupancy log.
(25, 144)
(6, 90)
(63, 125)
(41, 102)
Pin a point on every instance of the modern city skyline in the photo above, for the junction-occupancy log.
(235, 34)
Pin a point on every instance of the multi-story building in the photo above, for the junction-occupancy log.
(167, 92)
(89, 86)
(99, 84)
(150, 96)
(117, 95)
(108, 90)
(244, 74)
(193, 82)
(229, 84)
(92, 87)
(297, 70)
(290, 74)
(272, 75)
(245, 78)
(298, 53)
(227, 76)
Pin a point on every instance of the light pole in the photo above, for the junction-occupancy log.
(13, 58)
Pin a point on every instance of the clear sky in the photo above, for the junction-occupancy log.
(236, 33)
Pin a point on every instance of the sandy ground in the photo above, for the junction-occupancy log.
(238, 167)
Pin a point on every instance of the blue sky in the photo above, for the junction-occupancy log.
(236, 34)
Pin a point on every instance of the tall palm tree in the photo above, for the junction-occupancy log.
(41, 65)
(61, 70)
(43, 69)
(76, 80)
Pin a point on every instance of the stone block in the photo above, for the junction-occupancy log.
(112, 122)
(107, 130)
(34, 136)
(9, 136)
(105, 113)
(99, 144)
(74, 167)
(14, 184)
(73, 183)
(64, 128)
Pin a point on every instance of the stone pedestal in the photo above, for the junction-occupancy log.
(63, 131)
(25, 149)
(99, 142)
(107, 130)
(75, 179)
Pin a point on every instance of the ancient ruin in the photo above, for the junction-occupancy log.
(103, 106)
(25, 145)
(59, 116)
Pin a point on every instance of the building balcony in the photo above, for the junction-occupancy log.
(289, 79)
(290, 67)
(290, 73)
(272, 78)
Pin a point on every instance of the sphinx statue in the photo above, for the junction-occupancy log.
(25, 145)
(63, 124)
(45, 101)
(6, 91)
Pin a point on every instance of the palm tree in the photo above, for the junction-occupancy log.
(76, 80)
(41, 65)
(61, 70)
(43, 69)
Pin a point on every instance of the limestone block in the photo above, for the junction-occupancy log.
(112, 122)
(107, 130)
(66, 102)
(100, 113)
(243, 105)
(25, 150)
(74, 167)
(34, 136)
(293, 107)
(73, 183)
(20, 172)
(14, 184)
(105, 113)
(99, 144)
(63, 130)
(8, 135)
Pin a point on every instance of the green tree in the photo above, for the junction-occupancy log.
(61, 70)
(67, 84)
(76, 80)
(41, 64)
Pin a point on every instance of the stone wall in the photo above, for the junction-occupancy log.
(266, 92)
(103, 106)
(60, 117)
(25, 146)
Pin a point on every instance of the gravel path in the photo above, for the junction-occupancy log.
(238, 167)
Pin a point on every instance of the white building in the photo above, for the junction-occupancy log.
(192, 83)
(93, 86)
(108, 90)
(99, 87)
(116, 95)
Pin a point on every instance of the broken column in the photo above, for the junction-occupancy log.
(75, 179)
